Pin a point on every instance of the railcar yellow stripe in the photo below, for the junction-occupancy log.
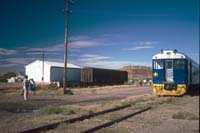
(158, 89)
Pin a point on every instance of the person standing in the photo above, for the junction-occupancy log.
(150, 82)
(25, 87)
(140, 82)
(32, 86)
(144, 82)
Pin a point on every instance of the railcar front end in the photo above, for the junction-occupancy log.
(170, 73)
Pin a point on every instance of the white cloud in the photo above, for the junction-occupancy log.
(8, 65)
(45, 53)
(99, 61)
(78, 37)
(113, 64)
(22, 61)
(92, 58)
(139, 48)
(73, 55)
(82, 43)
(7, 51)
(55, 48)
(75, 43)
(34, 53)
(57, 60)
(142, 45)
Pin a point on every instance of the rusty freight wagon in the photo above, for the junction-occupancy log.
(98, 76)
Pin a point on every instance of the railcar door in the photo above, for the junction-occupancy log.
(169, 71)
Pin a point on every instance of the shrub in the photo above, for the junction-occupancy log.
(6, 76)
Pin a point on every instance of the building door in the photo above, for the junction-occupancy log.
(169, 71)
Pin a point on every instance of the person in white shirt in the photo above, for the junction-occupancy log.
(25, 87)
(150, 82)
(144, 82)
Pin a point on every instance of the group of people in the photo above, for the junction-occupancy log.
(144, 82)
(28, 85)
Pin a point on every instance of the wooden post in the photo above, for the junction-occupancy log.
(65, 48)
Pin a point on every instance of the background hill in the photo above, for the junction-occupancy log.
(136, 73)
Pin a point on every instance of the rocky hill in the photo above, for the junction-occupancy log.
(136, 73)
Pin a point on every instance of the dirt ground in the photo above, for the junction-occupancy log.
(168, 114)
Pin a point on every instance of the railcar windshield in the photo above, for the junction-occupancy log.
(158, 64)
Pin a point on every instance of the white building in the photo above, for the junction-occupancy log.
(52, 71)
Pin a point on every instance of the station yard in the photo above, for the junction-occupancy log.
(168, 114)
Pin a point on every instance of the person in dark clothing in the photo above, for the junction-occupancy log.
(32, 86)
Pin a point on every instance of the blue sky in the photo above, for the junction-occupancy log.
(102, 33)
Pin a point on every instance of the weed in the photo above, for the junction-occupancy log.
(114, 117)
(57, 110)
(114, 130)
(185, 116)
(90, 112)
(111, 116)
(62, 126)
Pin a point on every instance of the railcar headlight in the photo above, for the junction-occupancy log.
(175, 51)
(155, 74)
(161, 51)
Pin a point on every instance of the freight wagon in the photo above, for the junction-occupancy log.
(174, 73)
(98, 76)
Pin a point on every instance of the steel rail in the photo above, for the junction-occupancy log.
(81, 118)
(114, 121)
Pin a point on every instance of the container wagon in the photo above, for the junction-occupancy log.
(98, 76)
(174, 73)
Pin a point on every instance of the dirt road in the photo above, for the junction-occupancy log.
(11, 100)
(108, 94)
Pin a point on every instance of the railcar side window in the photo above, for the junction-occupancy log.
(179, 64)
(158, 64)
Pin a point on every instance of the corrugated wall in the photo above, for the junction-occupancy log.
(73, 74)
(103, 76)
(87, 75)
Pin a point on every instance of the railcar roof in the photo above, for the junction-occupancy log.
(170, 54)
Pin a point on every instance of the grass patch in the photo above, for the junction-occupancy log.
(114, 117)
(90, 112)
(114, 130)
(185, 116)
(59, 110)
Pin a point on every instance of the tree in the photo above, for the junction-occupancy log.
(6, 76)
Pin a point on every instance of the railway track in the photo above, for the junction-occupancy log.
(114, 121)
(81, 118)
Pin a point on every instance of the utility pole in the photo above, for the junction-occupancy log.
(65, 47)
(43, 67)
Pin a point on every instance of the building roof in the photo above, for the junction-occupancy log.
(56, 64)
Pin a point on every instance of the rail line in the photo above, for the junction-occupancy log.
(114, 121)
(81, 118)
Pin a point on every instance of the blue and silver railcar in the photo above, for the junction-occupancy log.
(174, 73)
